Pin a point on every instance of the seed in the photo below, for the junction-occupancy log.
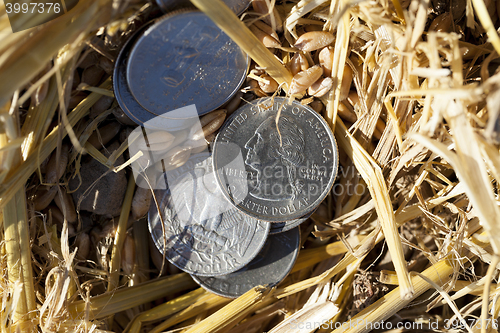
(76, 80)
(174, 159)
(491, 7)
(43, 165)
(346, 82)
(257, 71)
(141, 202)
(76, 99)
(103, 135)
(122, 117)
(458, 8)
(498, 7)
(43, 197)
(172, 269)
(234, 103)
(269, 86)
(267, 29)
(206, 119)
(108, 230)
(58, 220)
(92, 75)
(64, 202)
(159, 140)
(346, 114)
(320, 87)
(157, 257)
(298, 63)
(40, 93)
(317, 106)
(209, 124)
(260, 7)
(353, 98)
(442, 23)
(57, 216)
(180, 137)
(90, 59)
(82, 242)
(106, 64)
(379, 129)
(265, 39)
(255, 88)
(56, 169)
(303, 80)
(314, 40)
(326, 60)
(313, 27)
(102, 104)
(128, 254)
(196, 146)
(210, 138)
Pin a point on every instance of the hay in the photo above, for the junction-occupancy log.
(418, 133)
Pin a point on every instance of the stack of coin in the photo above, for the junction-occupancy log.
(290, 163)
(173, 62)
(230, 217)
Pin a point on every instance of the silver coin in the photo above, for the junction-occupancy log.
(237, 6)
(128, 103)
(286, 173)
(201, 232)
(270, 267)
(278, 227)
(184, 59)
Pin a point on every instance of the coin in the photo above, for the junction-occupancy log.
(128, 103)
(201, 233)
(278, 227)
(237, 6)
(184, 59)
(287, 172)
(270, 267)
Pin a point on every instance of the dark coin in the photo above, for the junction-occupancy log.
(128, 103)
(181, 60)
(270, 267)
(201, 232)
(237, 6)
(287, 172)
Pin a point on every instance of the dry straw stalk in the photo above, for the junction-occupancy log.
(101, 306)
(372, 175)
(392, 302)
(16, 180)
(16, 233)
(236, 309)
(18, 63)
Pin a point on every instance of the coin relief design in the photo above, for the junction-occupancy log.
(289, 166)
(279, 227)
(201, 232)
(270, 267)
(185, 59)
